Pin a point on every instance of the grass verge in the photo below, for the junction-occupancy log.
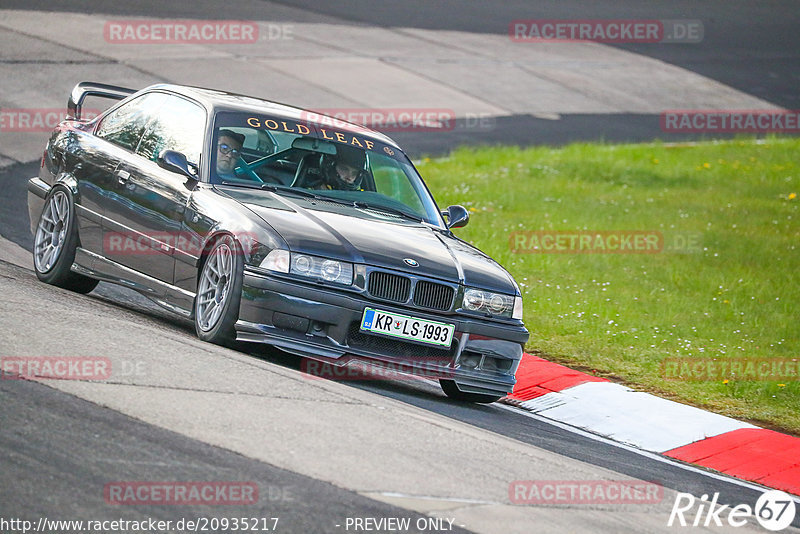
(716, 291)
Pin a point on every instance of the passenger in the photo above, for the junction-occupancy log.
(345, 170)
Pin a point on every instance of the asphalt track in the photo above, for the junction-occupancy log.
(63, 447)
(753, 47)
(58, 449)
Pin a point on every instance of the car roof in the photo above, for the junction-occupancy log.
(224, 101)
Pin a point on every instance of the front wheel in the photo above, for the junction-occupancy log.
(54, 244)
(219, 291)
(451, 390)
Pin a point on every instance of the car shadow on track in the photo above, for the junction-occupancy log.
(414, 390)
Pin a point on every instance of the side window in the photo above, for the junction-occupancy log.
(125, 125)
(179, 126)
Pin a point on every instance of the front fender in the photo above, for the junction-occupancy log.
(37, 192)
(254, 241)
(209, 215)
(69, 181)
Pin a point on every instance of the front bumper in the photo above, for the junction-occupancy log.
(322, 323)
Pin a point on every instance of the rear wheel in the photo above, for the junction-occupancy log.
(219, 291)
(55, 241)
(451, 390)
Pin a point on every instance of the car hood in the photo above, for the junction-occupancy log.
(380, 240)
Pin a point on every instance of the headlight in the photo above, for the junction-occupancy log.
(480, 301)
(302, 265)
(333, 271)
(314, 267)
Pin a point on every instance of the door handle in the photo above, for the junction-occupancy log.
(123, 177)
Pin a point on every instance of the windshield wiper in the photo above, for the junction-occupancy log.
(381, 207)
(241, 184)
(275, 188)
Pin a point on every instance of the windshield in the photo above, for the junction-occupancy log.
(285, 156)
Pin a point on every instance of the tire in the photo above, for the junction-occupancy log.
(219, 291)
(451, 390)
(55, 241)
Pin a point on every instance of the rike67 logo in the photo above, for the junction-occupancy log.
(774, 510)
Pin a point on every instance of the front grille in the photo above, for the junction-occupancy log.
(434, 296)
(389, 286)
(398, 348)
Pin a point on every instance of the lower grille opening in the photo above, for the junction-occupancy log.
(469, 359)
(290, 322)
(502, 365)
(472, 360)
(398, 348)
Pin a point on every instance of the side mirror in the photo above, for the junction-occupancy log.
(175, 162)
(457, 216)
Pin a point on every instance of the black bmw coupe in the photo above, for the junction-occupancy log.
(266, 223)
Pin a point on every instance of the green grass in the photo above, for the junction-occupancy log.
(733, 295)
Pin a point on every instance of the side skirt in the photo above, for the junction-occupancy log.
(173, 298)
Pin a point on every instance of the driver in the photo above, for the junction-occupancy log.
(344, 171)
(229, 147)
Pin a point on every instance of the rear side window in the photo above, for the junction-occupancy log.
(180, 126)
(125, 125)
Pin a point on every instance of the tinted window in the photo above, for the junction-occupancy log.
(257, 142)
(392, 181)
(180, 126)
(125, 125)
(345, 165)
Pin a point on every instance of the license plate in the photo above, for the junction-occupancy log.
(405, 327)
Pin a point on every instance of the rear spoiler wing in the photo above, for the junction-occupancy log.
(84, 89)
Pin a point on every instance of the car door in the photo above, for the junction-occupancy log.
(93, 159)
(151, 200)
